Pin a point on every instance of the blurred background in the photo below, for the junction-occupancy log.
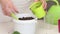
(6, 24)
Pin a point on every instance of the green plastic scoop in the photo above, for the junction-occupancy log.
(14, 16)
(37, 9)
(53, 14)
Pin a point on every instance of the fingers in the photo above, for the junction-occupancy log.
(15, 9)
(8, 8)
(44, 4)
(35, 0)
(6, 11)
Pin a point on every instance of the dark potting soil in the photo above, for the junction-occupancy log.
(49, 4)
(26, 18)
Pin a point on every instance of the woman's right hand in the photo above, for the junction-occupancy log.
(44, 4)
(8, 7)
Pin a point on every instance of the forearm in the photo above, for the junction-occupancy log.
(0, 1)
(5, 1)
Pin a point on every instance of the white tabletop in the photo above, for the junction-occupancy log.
(42, 28)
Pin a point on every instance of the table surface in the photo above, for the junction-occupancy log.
(42, 28)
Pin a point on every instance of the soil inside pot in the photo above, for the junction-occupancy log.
(26, 18)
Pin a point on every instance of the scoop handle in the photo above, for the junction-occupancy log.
(14, 16)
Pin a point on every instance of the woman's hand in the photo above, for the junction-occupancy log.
(43, 3)
(8, 7)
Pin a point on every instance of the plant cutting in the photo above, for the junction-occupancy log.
(53, 14)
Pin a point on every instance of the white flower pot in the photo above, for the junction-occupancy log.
(25, 26)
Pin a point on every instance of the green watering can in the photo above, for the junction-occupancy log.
(38, 9)
(53, 14)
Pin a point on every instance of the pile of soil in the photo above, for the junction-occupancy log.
(26, 18)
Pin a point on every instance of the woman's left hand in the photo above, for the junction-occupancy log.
(44, 4)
